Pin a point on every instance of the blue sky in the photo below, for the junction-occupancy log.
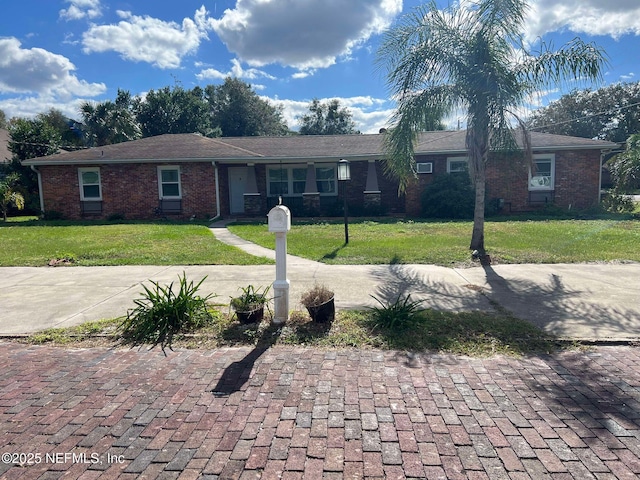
(59, 53)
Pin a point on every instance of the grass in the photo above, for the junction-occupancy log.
(469, 333)
(30, 242)
(447, 243)
(86, 333)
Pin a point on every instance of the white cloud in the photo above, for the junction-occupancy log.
(302, 34)
(80, 9)
(29, 107)
(236, 71)
(613, 18)
(628, 77)
(369, 114)
(147, 39)
(39, 71)
(303, 74)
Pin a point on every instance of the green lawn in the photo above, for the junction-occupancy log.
(27, 242)
(446, 243)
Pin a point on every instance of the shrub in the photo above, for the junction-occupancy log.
(115, 217)
(160, 314)
(52, 215)
(449, 196)
(615, 202)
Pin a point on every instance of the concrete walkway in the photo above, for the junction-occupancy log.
(587, 302)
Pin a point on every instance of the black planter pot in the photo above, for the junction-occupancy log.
(324, 312)
(251, 316)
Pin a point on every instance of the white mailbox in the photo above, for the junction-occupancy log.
(279, 219)
(280, 223)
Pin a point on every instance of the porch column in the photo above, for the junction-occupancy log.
(311, 196)
(252, 197)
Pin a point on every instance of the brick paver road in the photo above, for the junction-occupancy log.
(295, 413)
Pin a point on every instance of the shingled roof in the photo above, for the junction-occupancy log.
(194, 147)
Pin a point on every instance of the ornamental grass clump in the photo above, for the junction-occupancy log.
(398, 314)
(162, 313)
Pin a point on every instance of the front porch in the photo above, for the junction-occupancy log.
(308, 189)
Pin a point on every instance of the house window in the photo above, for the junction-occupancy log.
(326, 180)
(299, 176)
(542, 177)
(169, 182)
(90, 187)
(278, 181)
(290, 180)
(457, 165)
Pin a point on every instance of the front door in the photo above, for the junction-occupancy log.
(237, 178)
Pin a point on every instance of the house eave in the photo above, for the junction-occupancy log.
(220, 160)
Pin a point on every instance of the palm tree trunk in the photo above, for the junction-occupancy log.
(477, 236)
(478, 145)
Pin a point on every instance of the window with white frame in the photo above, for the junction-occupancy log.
(90, 187)
(542, 175)
(457, 164)
(169, 182)
(290, 180)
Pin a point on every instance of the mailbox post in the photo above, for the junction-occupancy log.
(279, 219)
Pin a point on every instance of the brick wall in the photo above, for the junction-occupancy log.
(577, 179)
(577, 175)
(130, 190)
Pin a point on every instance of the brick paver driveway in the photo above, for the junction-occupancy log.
(306, 413)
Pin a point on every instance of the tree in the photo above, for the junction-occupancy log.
(110, 122)
(239, 112)
(469, 56)
(71, 134)
(9, 195)
(625, 167)
(3, 119)
(174, 111)
(29, 138)
(610, 113)
(327, 119)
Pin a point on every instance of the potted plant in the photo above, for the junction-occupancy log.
(249, 306)
(319, 302)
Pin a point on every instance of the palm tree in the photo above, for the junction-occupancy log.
(110, 122)
(470, 56)
(9, 195)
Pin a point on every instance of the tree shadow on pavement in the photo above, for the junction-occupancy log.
(399, 280)
(561, 310)
(596, 394)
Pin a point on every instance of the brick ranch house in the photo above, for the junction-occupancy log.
(185, 175)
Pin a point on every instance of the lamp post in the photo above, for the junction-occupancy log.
(344, 174)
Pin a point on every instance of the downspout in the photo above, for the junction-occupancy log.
(39, 189)
(217, 180)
